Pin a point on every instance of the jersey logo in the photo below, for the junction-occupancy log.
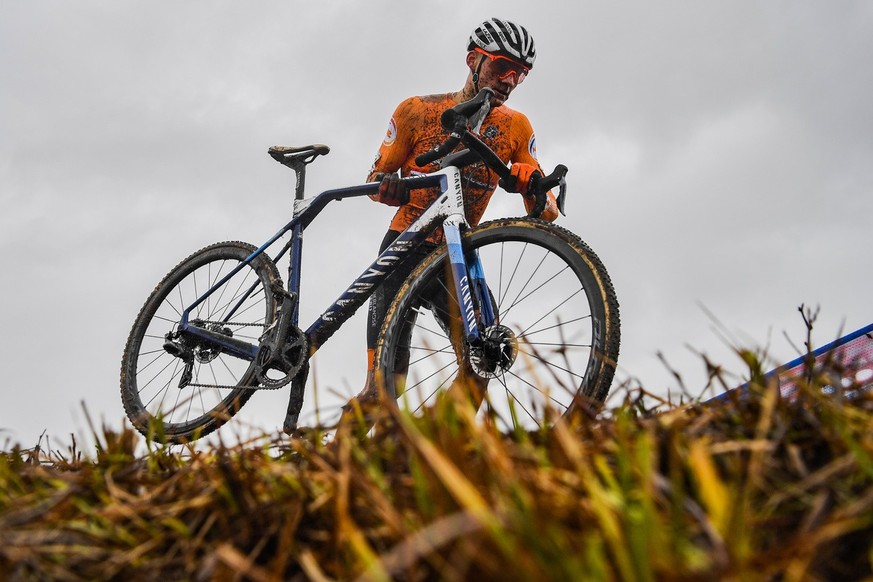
(391, 134)
(532, 146)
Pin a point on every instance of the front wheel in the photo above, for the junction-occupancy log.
(554, 343)
(174, 387)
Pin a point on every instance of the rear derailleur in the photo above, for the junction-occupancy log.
(189, 348)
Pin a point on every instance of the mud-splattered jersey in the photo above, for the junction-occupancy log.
(415, 129)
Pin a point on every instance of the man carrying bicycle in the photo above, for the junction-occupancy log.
(568, 333)
(500, 55)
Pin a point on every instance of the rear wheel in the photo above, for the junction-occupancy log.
(177, 388)
(553, 346)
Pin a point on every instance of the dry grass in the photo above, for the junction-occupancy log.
(753, 489)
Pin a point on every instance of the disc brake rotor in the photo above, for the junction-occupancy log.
(496, 354)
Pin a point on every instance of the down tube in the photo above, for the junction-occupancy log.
(343, 308)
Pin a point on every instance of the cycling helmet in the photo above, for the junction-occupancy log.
(504, 38)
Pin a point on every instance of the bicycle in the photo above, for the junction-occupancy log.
(222, 324)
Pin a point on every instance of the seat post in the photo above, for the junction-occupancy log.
(297, 158)
(299, 168)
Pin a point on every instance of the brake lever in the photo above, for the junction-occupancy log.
(562, 195)
(545, 183)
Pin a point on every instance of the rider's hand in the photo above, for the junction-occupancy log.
(520, 178)
(392, 190)
(549, 212)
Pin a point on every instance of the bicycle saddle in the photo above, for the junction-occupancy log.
(291, 155)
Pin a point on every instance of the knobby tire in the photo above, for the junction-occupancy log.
(155, 404)
(554, 296)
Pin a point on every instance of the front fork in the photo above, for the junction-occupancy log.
(492, 348)
(471, 290)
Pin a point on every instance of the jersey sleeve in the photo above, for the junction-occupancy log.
(396, 145)
(526, 152)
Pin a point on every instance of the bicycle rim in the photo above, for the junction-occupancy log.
(157, 399)
(557, 317)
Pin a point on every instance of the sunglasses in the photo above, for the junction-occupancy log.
(504, 66)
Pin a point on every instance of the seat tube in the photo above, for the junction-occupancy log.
(463, 288)
(294, 265)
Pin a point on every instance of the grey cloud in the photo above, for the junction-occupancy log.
(718, 152)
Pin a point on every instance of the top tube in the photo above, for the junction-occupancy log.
(307, 214)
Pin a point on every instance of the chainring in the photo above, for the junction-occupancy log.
(286, 360)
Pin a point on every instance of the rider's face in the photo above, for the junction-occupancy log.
(495, 74)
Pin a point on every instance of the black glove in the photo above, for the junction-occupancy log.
(392, 189)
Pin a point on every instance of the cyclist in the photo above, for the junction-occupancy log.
(500, 55)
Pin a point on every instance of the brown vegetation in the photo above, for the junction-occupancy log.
(753, 488)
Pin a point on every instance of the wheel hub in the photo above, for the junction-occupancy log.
(496, 354)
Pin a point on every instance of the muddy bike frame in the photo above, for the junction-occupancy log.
(447, 211)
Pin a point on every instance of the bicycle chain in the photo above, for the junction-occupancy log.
(229, 387)
(231, 323)
(206, 322)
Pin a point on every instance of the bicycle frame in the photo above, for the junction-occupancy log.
(446, 211)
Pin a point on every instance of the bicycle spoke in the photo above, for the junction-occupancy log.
(510, 396)
(519, 299)
(439, 334)
(425, 379)
(553, 310)
(511, 277)
(558, 344)
(515, 301)
(552, 367)
(432, 353)
(537, 389)
(165, 387)
(527, 334)
(152, 361)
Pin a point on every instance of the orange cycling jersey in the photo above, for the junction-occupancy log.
(415, 129)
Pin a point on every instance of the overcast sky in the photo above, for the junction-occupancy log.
(720, 155)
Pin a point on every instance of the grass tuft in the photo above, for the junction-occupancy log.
(751, 488)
